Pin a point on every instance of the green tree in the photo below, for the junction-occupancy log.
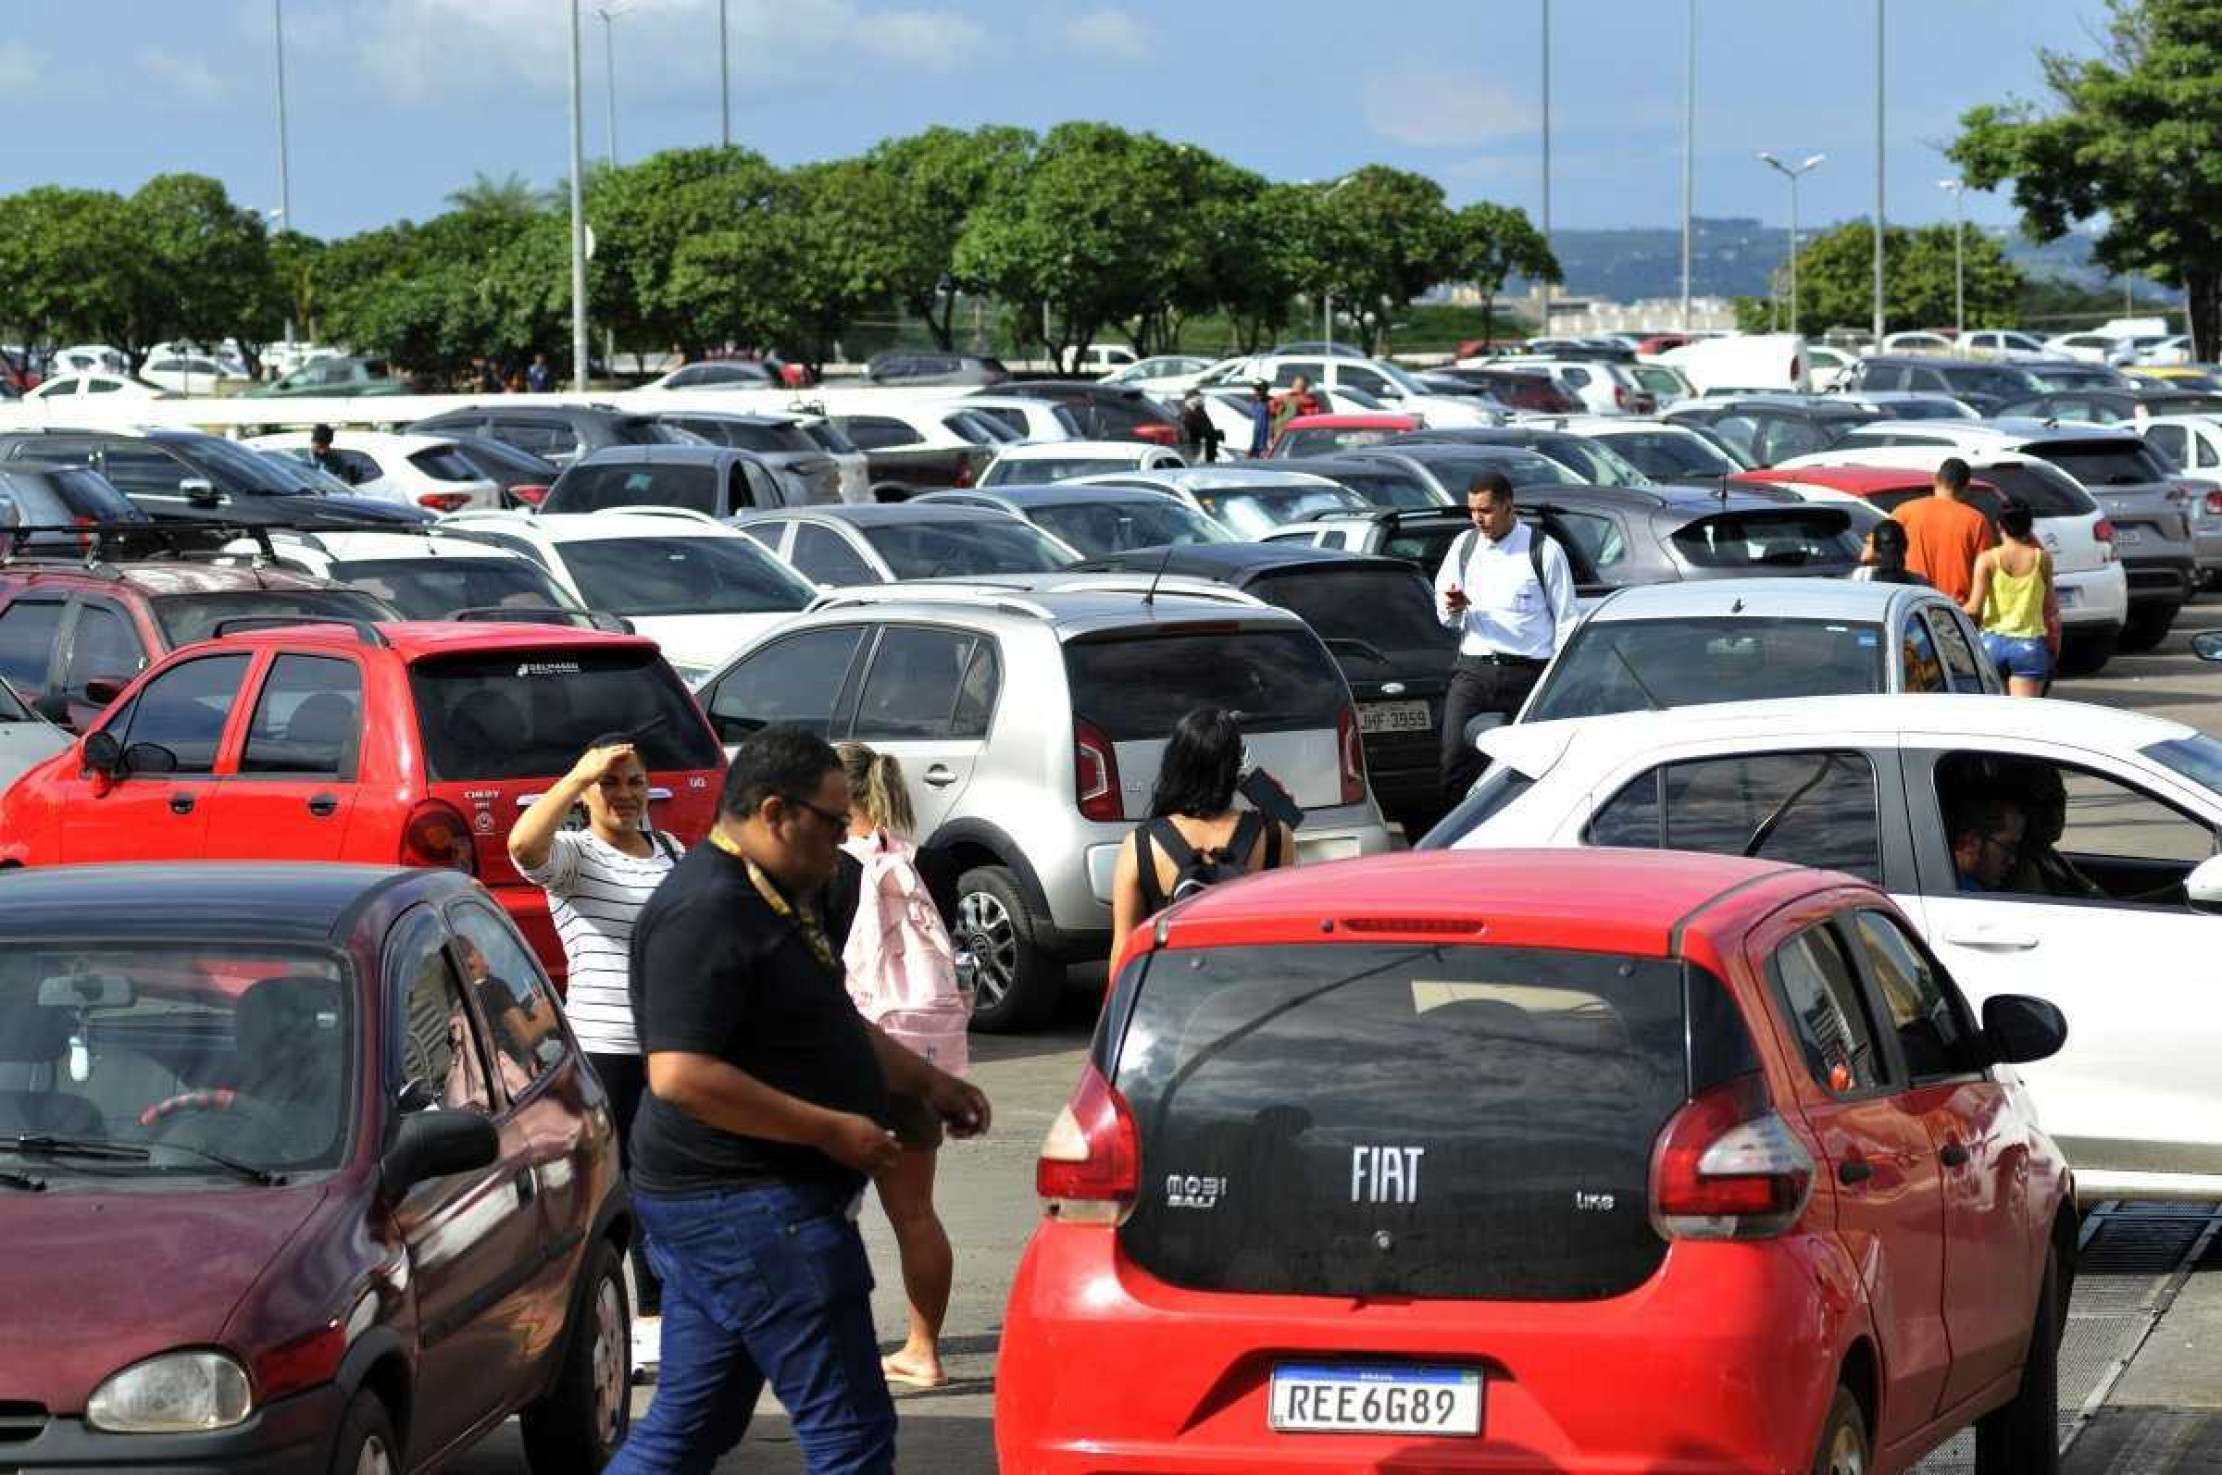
(71, 268)
(940, 176)
(836, 258)
(1491, 243)
(1382, 237)
(1836, 281)
(1264, 256)
(208, 260)
(682, 251)
(511, 197)
(2135, 138)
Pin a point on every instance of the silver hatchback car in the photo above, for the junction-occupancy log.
(1031, 725)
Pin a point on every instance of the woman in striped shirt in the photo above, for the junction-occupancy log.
(597, 879)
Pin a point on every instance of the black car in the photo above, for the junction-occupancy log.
(915, 369)
(2114, 406)
(523, 477)
(1385, 481)
(1771, 428)
(1377, 617)
(1105, 411)
(776, 440)
(716, 480)
(182, 475)
(557, 433)
(1591, 461)
(1523, 389)
(1980, 383)
(1452, 467)
(59, 496)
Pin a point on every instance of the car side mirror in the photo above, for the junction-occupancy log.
(103, 754)
(100, 691)
(2019, 1029)
(433, 1144)
(199, 490)
(1483, 722)
(2203, 887)
(2207, 645)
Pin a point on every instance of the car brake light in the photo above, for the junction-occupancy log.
(1620, 396)
(84, 540)
(1090, 1168)
(964, 472)
(436, 836)
(531, 494)
(444, 501)
(1164, 435)
(1350, 755)
(1095, 773)
(304, 1362)
(1728, 1167)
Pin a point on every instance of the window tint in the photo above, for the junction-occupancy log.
(1961, 667)
(183, 711)
(1100, 528)
(185, 618)
(826, 557)
(1137, 688)
(520, 1013)
(2109, 819)
(143, 471)
(1788, 537)
(2171, 440)
(1781, 437)
(434, 588)
(444, 463)
(1924, 668)
(1598, 540)
(1673, 455)
(797, 679)
(439, 1044)
(1036, 471)
(877, 433)
(28, 631)
(517, 714)
(927, 550)
(912, 688)
(1811, 809)
(683, 576)
(308, 720)
(2104, 463)
(105, 644)
(2049, 491)
(88, 494)
(1638, 665)
(1252, 511)
(1933, 1031)
(1821, 998)
(1364, 614)
(593, 488)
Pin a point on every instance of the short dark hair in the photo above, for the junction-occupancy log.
(2015, 519)
(785, 760)
(319, 434)
(1202, 764)
(1494, 485)
(1953, 473)
(1984, 812)
(1890, 542)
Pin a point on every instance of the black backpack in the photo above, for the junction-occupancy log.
(1198, 870)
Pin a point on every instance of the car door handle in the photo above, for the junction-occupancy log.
(181, 804)
(940, 776)
(1952, 1155)
(1854, 1170)
(323, 806)
(1995, 937)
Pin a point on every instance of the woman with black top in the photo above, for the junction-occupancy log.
(1194, 833)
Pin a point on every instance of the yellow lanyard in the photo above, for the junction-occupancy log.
(804, 918)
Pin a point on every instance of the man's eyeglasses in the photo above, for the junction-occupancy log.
(839, 819)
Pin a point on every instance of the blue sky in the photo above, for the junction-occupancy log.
(395, 102)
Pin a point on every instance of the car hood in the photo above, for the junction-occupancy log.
(97, 1281)
(705, 640)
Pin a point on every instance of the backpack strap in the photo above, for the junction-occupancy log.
(1244, 840)
(1535, 561)
(1145, 867)
(665, 845)
(1273, 847)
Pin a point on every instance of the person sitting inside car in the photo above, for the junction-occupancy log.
(1987, 829)
(2042, 870)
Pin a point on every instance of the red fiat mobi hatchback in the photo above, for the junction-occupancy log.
(1568, 1162)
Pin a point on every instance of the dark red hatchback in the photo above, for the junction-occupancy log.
(300, 1169)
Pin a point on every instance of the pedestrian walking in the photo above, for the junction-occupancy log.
(1195, 836)
(769, 1103)
(902, 971)
(1298, 401)
(323, 457)
(539, 378)
(1945, 533)
(2013, 597)
(1509, 594)
(1261, 418)
(598, 878)
(1883, 561)
(1199, 438)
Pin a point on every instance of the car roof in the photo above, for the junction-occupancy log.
(1058, 450)
(1770, 598)
(166, 576)
(663, 455)
(882, 514)
(1069, 613)
(579, 527)
(726, 417)
(1236, 560)
(208, 900)
(416, 640)
(1216, 478)
(1051, 494)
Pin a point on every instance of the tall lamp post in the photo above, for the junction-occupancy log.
(1878, 175)
(1791, 173)
(609, 15)
(725, 83)
(285, 178)
(1689, 159)
(1327, 294)
(1958, 187)
(1545, 329)
(579, 348)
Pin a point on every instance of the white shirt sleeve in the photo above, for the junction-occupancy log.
(1446, 579)
(560, 871)
(1558, 592)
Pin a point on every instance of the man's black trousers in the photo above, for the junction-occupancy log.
(1478, 685)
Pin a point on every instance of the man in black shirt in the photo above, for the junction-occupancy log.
(767, 1107)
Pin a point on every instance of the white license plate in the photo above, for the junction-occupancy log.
(2069, 596)
(1361, 1399)
(2128, 535)
(1394, 717)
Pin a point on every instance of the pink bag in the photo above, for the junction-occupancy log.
(902, 968)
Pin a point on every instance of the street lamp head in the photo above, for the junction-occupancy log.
(1954, 185)
(1812, 162)
(1767, 158)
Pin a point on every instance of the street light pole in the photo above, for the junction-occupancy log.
(1327, 294)
(285, 180)
(1689, 155)
(1878, 175)
(1959, 253)
(579, 349)
(1546, 285)
(725, 83)
(1791, 173)
(609, 61)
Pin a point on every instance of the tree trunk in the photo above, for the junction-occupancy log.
(2203, 291)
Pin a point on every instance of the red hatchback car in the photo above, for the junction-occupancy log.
(1541, 1161)
(400, 743)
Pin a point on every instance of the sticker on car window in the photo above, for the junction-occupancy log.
(548, 668)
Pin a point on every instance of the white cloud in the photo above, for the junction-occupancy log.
(186, 79)
(23, 69)
(1097, 35)
(1436, 107)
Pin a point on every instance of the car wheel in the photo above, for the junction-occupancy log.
(1016, 978)
(577, 1424)
(2086, 654)
(1844, 1449)
(2023, 1438)
(366, 1444)
(2147, 627)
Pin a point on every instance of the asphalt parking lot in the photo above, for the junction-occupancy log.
(2138, 1391)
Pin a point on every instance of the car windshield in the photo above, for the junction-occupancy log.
(683, 576)
(185, 618)
(960, 548)
(1252, 510)
(2105, 463)
(2070, 376)
(2197, 758)
(2003, 383)
(1040, 471)
(1382, 483)
(234, 468)
(499, 461)
(158, 1061)
(1673, 455)
(1099, 528)
(1371, 615)
(1591, 461)
(593, 488)
(1640, 665)
(435, 588)
(1526, 468)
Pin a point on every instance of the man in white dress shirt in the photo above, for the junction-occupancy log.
(1509, 593)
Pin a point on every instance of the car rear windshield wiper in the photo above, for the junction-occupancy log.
(1362, 646)
(23, 1181)
(35, 1145)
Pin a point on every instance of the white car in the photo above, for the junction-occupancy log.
(2172, 350)
(695, 586)
(87, 358)
(120, 386)
(1384, 385)
(2072, 858)
(436, 574)
(190, 374)
(1160, 374)
(1604, 388)
(2194, 443)
(1745, 362)
(1031, 420)
(2004, 345)
(1917, 342)
(414, 470)
(1037, 464)
(718, 374)
(1826, 366)
(1102, 358)
(1249, 501)
(2089, 348)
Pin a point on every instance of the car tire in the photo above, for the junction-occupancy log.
(2023, 1437)
(1845, 1447)
(2147, 627)
(1018, 980)
(2086, 654)
(366, 1443)
(576, 1426)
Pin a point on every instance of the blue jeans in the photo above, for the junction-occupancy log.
(762, 1284)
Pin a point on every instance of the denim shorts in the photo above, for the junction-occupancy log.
(2025, 656)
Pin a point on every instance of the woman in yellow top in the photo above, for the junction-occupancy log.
(2013, 598)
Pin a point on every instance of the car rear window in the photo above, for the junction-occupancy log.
(1640, 665)
(435, 588)
(2105, 463)
(518, 712)
(1366, 613)
(750, 436)
(1673, 455)
(639, 430)
(683, 576)
(185, 618)
(1030, 472)
(593, 488)
(1388, 1120)
(1136, 688)
(959, 549)
(1385, 486)
(445, 463)
(1250, 512)
(1427, 547)
(1789, 537)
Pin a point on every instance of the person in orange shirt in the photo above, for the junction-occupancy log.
(1945, 533)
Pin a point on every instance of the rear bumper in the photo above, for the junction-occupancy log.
(2098, 596)
(2160, 578)
(1725, 1360)
(291, 1434)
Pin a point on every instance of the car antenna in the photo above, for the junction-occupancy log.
(1149, 595)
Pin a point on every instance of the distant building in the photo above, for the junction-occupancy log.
(1576, 314)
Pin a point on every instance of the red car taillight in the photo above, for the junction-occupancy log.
(1728, 1167)
(1350, 756)
(84, 540)
(1156, 434)
(1095, 774)
(436, 836)
(444, 501)
(2214, 503)
(1090, 1168)
(531, 494)
(2103, 531)
(1620, 397)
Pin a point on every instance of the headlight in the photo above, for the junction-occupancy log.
(176, 1393)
